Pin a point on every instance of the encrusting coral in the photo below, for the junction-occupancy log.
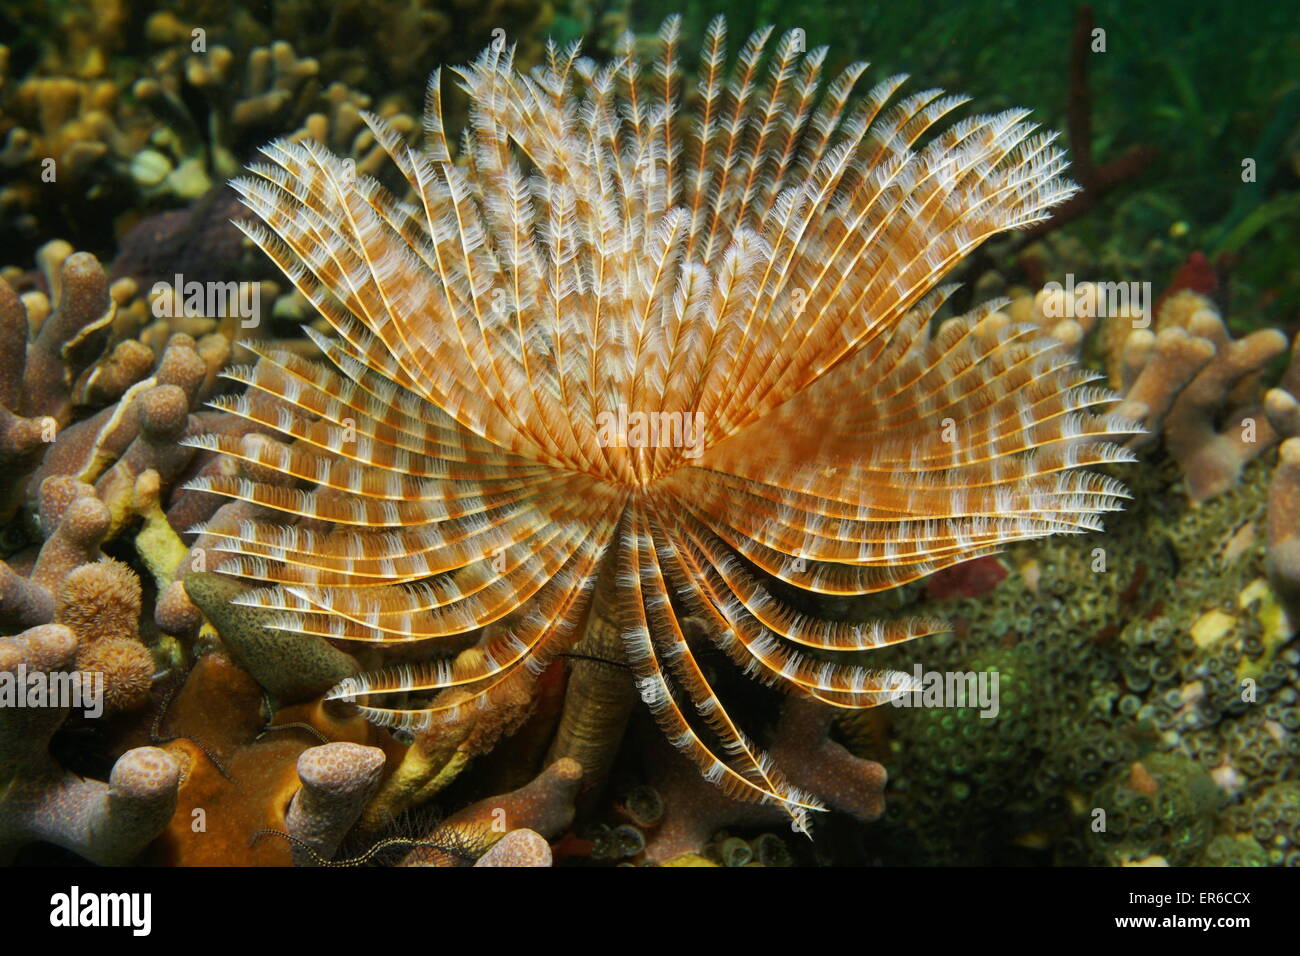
(246, 772)
(291, 667)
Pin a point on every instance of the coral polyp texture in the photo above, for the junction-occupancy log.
(625, 370)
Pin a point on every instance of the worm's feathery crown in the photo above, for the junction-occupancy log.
(758, 275)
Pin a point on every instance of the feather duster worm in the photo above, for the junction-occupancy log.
(680, 352)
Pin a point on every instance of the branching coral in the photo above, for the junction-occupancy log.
(39, 381)
(161, 129)
(545, 806)
(694, 812)
(1182, 374)
(75, 523)
(1198, 388)
(107, 823)
(92, 479)
(269, 89)
(521, 847)
(68, 134)
(337, 780)
(100, 604)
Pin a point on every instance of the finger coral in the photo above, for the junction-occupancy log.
(67, 329)
(337, 780)
(624, 361)
(1197, 386)
(107, 823)
(521, 847)
(543, 806)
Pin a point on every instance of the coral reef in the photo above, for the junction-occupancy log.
(1150, 673)
(1148, 711)
(89, 128)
